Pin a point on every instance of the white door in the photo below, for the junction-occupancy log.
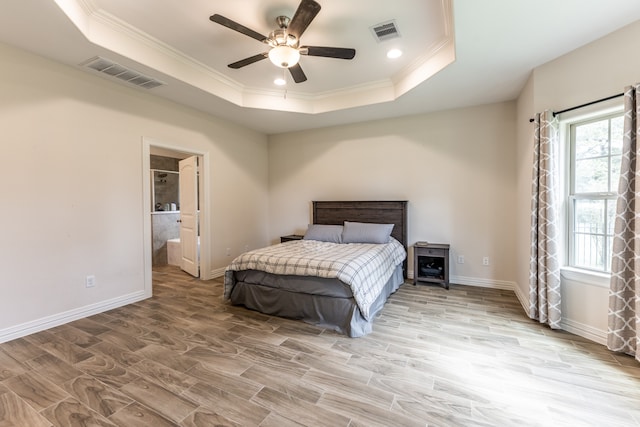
(189, 215)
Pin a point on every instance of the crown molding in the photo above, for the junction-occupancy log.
(114, 34)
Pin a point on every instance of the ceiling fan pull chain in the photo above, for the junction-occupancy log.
(284, 77)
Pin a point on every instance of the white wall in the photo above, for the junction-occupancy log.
(598, 70)
(455, 168)
(71, 188)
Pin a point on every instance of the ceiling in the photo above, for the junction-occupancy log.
(456, 53)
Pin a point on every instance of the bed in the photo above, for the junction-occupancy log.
(322, 281)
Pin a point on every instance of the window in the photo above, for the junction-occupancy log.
(596, 148)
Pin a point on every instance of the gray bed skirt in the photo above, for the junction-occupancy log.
(328, 303)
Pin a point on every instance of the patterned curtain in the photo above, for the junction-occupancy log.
(544, 271)
(624, 294)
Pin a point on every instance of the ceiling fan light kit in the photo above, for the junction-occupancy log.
(285, 41)
(284, 56)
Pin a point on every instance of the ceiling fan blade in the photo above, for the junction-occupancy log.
(248, 61)
(328, 52)
(219, 19)
(307, 10)
(297, 74)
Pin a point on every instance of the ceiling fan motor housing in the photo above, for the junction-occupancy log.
(282, 38)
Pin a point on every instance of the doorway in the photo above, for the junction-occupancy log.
(161, 148)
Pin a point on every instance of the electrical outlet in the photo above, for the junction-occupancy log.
(485, 261)
(460, 259)
(228, 251)
(90, 281)
(246, 248)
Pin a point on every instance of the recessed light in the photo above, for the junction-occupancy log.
(280, 81)
(394, 53)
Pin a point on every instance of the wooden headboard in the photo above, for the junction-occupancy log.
(378, 212)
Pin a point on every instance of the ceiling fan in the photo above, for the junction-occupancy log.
(285, 41)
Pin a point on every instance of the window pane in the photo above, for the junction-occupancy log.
(592, 175)
(611, 225)
(589, 216)
(592, 140)
(611, 216)
(595, 173)
(589, 238)
(608, 259)
(615, 173)
(617, 130)
(589, 251)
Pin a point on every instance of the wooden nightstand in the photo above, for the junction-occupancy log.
(431, 263)
(290, 237)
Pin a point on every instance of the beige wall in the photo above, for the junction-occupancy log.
(71, 188)
(71, 181)
(455, 168)
(595, 71)
(524, 164)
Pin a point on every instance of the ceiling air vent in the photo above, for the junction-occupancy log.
(385, 31)
(106, 66)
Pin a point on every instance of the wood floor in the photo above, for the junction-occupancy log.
(463, 357)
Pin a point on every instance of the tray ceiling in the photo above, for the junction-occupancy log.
(457, 53)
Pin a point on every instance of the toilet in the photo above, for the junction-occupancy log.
(173, 252)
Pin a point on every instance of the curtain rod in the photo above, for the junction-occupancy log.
(555, 113)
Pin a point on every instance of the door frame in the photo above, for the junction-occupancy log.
(204, 202)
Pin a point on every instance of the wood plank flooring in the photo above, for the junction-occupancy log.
(463, 357)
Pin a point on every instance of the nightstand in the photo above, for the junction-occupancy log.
(290, 237)
(431, 263)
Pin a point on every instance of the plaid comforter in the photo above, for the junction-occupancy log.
(366, 268)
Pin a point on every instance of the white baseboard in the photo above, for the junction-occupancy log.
(18, 331)
(218, 272)
(481, 283)
(585, 331)
(524, 299)
(41, 324)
